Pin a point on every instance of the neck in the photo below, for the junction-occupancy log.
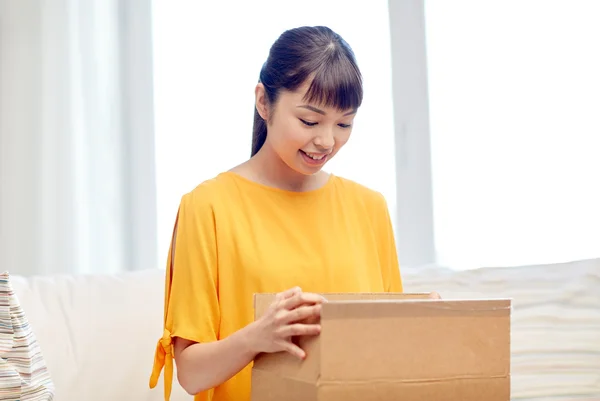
(268, 168)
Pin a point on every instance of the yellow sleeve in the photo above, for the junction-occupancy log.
(193, 309)
(390, 268)
(191, 300)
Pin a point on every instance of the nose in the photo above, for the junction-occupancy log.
(325, 139)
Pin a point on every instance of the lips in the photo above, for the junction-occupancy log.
(314, 159)
(315, 156)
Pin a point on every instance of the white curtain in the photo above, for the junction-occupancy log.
(514, 105)
(77, 192)
(207, 60)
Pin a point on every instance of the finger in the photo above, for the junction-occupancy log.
(298, 329)
(301, 313)
(294, 350)
(435, 295)
(303, 298)
(290, 292)
(282, 296)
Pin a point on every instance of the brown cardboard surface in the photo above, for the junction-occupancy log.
(394, 347)
(451, 390)
(263, 301)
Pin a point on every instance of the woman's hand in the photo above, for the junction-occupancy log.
(292, 313)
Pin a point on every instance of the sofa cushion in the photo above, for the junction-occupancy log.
(98, 332)
(24, 375)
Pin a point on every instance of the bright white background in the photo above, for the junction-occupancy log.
(515, 126)
(514, 99)
(513, 110)
(207, 59)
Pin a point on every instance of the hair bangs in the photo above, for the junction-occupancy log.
(336, 83)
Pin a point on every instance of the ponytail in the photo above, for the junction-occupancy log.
(259, 133)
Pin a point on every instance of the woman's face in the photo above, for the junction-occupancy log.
(305, 136)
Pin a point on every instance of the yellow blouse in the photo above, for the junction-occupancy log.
(235, 238)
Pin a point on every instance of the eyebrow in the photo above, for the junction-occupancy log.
(311, 108)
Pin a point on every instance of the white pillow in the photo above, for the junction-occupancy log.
(23, 372)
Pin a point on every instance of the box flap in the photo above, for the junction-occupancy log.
(414, 340)
(264, 300)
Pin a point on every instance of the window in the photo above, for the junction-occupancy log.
(207, 59)
(514, 90)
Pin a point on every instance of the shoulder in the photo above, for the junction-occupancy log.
(204, 196)
(365, 195)
(370, 203)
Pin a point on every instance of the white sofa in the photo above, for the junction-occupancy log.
(98, 333)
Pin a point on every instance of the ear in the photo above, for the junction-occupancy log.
(261, 101)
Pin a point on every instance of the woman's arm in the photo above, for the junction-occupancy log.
(202, 366)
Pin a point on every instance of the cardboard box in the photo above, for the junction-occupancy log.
(393, 347)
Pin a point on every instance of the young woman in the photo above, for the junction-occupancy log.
(277, 223)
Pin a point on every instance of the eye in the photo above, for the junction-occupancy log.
(308, 123)
(345, 125)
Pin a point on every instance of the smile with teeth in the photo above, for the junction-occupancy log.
(314, 156)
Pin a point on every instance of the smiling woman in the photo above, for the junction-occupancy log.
(276, 223)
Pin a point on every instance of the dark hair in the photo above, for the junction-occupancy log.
(315, 53)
